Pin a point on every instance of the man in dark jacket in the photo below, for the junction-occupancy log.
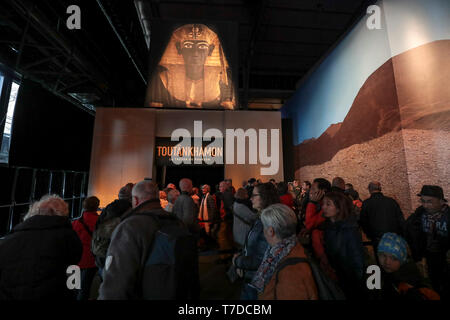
(126, 271)
(249, 187)
(338, 185)
(185, 208)
(224, 201)
(427, 234)
(380, 214)
(35, 256)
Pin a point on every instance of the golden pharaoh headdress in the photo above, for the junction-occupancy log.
(196, 32)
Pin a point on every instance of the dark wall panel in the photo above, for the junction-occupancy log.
(49, 132)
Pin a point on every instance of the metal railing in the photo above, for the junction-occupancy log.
(74, 192)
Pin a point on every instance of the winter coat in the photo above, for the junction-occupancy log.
(344, 249)
(243, 221)
(34, 259)
(287, 199)
(130, 246)
(313, 222)
(417, 238)
(225, 202)
(187, 211)
(254, 248)
(295, 282)
(90, 219)
(407, 283)
(213, 213)
(381, 214)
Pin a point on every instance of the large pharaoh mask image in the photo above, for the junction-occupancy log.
(193, 72)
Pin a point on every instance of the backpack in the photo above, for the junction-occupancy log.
(171, 267)
(101, 238)
(327, 289)
(110, 218)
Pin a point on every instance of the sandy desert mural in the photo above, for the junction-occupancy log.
(397, 130)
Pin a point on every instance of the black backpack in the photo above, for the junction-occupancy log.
(327, 289)
(171, 267)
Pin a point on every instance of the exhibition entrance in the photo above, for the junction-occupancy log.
(203, 174)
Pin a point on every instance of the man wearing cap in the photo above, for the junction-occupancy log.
(427, 235)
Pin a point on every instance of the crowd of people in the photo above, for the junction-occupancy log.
(281, 240)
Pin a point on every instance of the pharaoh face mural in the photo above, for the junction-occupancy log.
(192, 73)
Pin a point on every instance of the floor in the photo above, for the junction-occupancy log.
(214, 282)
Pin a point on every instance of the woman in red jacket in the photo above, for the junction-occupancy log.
(285, 197)
(314, 220)
(84, 227)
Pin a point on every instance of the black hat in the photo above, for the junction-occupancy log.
(432, 191)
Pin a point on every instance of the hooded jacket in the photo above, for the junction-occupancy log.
(34, 259)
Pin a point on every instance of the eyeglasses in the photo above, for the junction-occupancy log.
(426, 201)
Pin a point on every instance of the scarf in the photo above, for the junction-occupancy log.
(272, 257)
(204, 213)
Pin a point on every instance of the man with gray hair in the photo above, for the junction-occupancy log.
(35, 255)
(185, 208)
(380, 214)
(137, 250)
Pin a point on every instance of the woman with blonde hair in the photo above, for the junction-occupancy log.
(35, 256)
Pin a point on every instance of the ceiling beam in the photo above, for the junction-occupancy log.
(251, 48)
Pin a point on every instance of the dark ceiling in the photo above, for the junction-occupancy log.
(105, 62)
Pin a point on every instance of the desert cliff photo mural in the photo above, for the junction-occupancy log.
(396, 131)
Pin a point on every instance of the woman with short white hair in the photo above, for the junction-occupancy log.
(35, 256)
(279, 277)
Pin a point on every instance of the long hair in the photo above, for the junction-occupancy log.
(342, 203)
(268, 193)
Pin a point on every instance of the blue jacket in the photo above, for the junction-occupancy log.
(345, 253)
(254, 249)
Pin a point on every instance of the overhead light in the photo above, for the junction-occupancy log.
(14, 49)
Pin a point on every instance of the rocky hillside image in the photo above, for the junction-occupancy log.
(416, 97)
(397, 130)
